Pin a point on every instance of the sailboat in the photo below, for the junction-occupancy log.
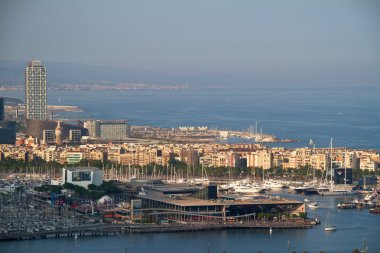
(204, 180)
(329, 227)
(364, 247)
(332, 190)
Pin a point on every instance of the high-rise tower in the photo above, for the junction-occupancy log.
(2, 108)
(35, 91)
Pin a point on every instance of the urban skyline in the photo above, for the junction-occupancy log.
(205, 124)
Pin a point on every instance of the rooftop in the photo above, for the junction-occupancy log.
(190, 201)
(175, 188)
(82, 169)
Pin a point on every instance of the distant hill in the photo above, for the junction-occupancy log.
(12, 73)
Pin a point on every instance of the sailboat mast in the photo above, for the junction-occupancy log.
(331, 165)
(345, 168)
(256, 133)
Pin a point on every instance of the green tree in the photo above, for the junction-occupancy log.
(303, 215)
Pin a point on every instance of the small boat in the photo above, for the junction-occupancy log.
(329, 227)
(76, 236)
(346, 205)
(270, 230)
(306, 200)
(313, 205)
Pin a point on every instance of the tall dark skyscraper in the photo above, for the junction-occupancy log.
(35, 91)
(7, 132)
(7, 127)
(2, 110)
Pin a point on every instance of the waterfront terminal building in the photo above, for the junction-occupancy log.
(82, 176)
(187, 203)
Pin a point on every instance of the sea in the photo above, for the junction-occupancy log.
(349, 115)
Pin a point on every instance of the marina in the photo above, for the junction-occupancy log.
(184, 207)
(29, 216)
(312, 240)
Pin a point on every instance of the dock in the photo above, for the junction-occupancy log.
(117, 229)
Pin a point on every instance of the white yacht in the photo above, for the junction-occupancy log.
(313, 205)
(249, 189)
(270, 184)
(335, 192)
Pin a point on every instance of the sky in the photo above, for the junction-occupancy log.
(332, 42)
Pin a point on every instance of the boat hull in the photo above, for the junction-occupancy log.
(331, 228)
(336, 193)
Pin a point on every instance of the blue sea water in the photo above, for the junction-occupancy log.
(350, 115)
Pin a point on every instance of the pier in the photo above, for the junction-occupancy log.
(117, 229)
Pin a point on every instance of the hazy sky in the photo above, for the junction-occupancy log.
(327, 41)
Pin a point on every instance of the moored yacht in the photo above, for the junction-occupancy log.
(313, 205)
(249, 189)
(335, 192)
(270, 184)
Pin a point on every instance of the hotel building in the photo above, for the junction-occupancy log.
(35, 91)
